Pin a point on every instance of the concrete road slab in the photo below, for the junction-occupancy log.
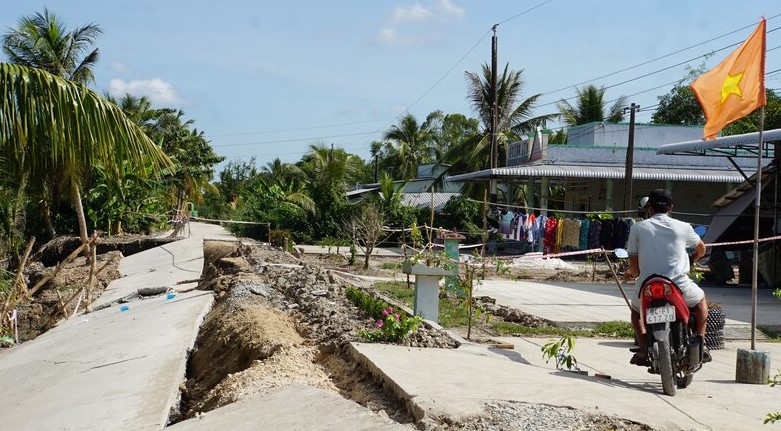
(456, 383)
(110, 369)
(602, 302)
(113, 369)
(293, 407)
(165, 265)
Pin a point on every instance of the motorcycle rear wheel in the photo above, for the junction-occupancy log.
(666, 367)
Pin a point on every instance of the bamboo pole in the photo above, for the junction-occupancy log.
(88, 299)
(17, 280)
(59, 268)
(70, 299)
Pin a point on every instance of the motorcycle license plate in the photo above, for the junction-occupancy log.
(660, 314)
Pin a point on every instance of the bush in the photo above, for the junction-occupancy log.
(278, 236)
(390, 326)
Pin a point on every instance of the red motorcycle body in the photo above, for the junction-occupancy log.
(674, 349)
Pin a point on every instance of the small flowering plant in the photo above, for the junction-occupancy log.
(392, 327)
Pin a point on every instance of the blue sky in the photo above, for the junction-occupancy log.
(267, 79)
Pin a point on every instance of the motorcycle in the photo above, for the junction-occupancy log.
(674, 349)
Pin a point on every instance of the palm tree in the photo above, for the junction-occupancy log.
(329, 171)
(43, 42)
(514, 117)
(414, 143)
(590, 107)
(47, 122)
(283, 173)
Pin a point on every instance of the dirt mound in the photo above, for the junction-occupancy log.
(278, 322)
(42, 312)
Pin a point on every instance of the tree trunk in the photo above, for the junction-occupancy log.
(368, 255)
(46, 214)
(76, 198)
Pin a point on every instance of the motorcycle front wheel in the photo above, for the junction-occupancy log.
(666, 367)
(684, 381)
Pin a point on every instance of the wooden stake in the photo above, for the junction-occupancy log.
(17, 282)
(88, 299)
(58, 268)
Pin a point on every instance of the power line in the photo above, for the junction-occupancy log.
(523, 13)
(657, 58)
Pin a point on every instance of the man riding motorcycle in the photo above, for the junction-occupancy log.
(658, 245)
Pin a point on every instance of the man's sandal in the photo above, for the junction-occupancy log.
(641, 361)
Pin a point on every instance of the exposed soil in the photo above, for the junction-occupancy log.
(280, 320)
(49, 305)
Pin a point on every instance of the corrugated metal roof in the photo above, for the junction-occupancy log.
(746, 141)
(610, 172)
(423, 200)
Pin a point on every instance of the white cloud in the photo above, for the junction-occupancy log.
(390, 36)
(120, 68)
(450, 11)
(156, 90)
(417, 15)
(438, 10)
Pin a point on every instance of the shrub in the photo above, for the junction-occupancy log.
(390, 326)
(277, 237)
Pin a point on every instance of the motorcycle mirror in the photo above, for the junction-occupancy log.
(620, 253)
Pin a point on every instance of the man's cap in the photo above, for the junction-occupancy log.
(643, 201)
(660, 197)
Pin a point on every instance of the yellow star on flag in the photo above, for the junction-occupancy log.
(730, 86)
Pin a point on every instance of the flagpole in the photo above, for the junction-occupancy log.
(755, 266)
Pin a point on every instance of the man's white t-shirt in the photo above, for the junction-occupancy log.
(660, 244)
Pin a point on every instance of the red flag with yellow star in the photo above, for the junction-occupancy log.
(734, 88)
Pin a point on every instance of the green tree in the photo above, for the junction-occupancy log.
(590, 106)
(43, 41)
(453, 130)
(81, 128)
(514, 118)
(413, 142)
(329, 172)
(680, 106)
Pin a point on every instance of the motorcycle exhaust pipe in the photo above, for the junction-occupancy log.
(694, 349)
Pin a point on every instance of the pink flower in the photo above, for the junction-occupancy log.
(386, 312)
(398, 317)
(390, 310)
(379, 323)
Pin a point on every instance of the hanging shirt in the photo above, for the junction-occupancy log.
(570, 236)
(606, 235)
(622, 233)
(549, 241)
(583, 240)
(594, 231)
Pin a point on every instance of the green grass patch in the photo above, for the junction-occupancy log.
(452, 313)
(509, 328)
(391, 266)
(773, 334)
(608, 329)
(397, 290)
(615, 328)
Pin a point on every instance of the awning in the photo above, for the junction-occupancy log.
(666, 173)
(744, 145)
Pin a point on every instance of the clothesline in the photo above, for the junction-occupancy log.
(634, 211)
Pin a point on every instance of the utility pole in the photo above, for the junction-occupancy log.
(630, 153)
(494, 115)
(376, 166)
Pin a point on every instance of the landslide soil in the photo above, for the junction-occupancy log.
(279, 319)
